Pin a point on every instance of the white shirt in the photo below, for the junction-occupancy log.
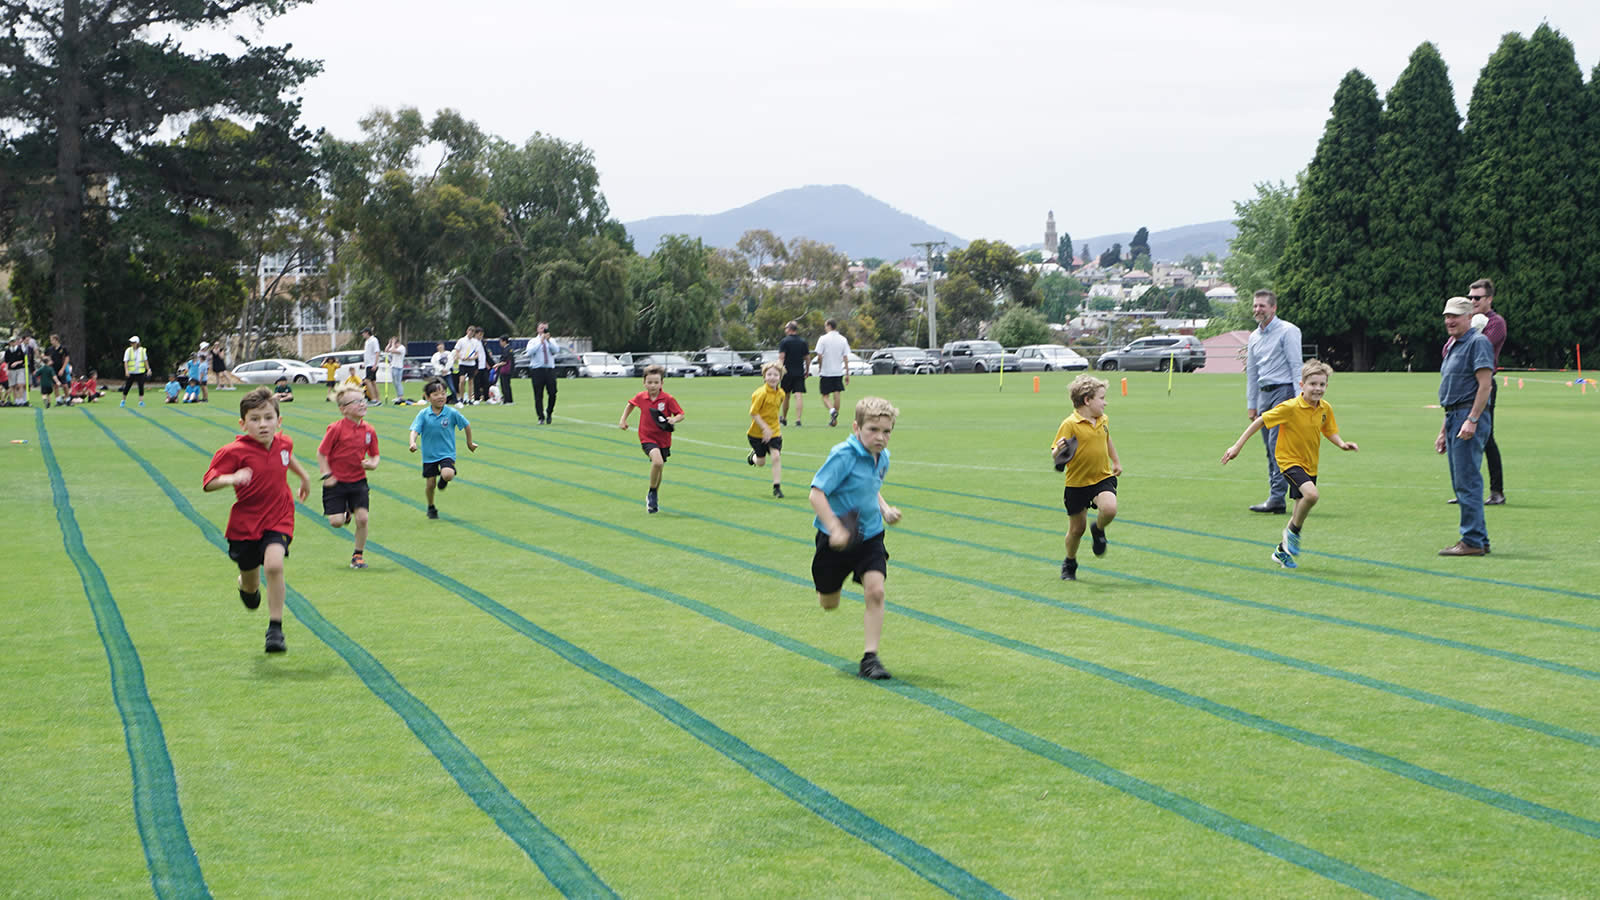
(470, 351)
(832, 352)
(369, 351)
(441, 361)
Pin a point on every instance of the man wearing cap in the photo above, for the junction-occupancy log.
(135, 365)
(1271, 370)
(1466, 378)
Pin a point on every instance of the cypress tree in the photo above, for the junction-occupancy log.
(1418, 151)
(1588, 324)
(1325, 278)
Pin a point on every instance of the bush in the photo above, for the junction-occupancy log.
(1021, 326)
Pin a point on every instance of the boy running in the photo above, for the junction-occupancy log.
(764, 435)
(659, 413)
(261, 524)
(1084, 451)
(348, 451)
(435, 427)
(847, 496)
(1302, 422)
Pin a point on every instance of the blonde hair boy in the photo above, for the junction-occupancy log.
(1087, 455)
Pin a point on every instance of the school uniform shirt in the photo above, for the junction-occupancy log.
(852, 479)
(649, 431)
(1300, 437)
(833, 352)
(136, 360)
(1092, 463)
(346, 444)
(264, 504)
(437, 432)
(470, 352)
(766, 402)
(197, 371)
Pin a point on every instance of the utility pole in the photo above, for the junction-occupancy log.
(933, 317)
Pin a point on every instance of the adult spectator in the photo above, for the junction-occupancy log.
(504, 369)
(1481, 293)
(469, 354)
(542, 372)
(1466, 379)
(226, 380)
(1272, 366)
(395, 352)
(135, 368)
(833, 354)
(204, 359)
(480, 383)
(60, 359)
(17, 370)
(369, 364)
(795, 355)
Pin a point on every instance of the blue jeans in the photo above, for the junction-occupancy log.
(1466, 476)
(1277, 485)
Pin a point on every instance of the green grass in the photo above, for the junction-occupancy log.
(548, 691)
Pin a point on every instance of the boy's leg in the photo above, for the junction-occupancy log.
(1076, 524)
(272, 571)
(872, 619)
(1302, 507)
(657, 464)
(777, 467)
(429, 482)
(361, 530)
(250, 581)
(337, 520)
(1105, 503)
(828, 601)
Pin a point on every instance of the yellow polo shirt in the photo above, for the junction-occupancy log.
(1092, 463)
(1300, 430)
(765, 402)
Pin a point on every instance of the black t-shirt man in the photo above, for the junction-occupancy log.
(793, 350)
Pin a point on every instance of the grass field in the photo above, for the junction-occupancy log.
(549, 692)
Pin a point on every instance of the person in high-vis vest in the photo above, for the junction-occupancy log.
(135, 366)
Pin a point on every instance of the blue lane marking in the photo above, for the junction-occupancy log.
(565, 869)
(174, 868)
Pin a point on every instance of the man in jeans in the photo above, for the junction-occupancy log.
(1272, 367)
(1466, 378)
(1481, 293)
(542, 372)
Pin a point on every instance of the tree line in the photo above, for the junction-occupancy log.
(1404, 205)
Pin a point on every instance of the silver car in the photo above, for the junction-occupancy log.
(1157, 353)
(268, 371)
(1049, 358)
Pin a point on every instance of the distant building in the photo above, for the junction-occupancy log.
(1050, 235)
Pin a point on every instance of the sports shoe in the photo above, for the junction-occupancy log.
(797, 423)
(783, 422)
(1291, 541)
(250, 599)
(1098, 536)
(871, 668)
(124, 402)
(833, 417)
(777, 491)
(1069, 569)
(1496, 498)
(356, 562)
(444, 482)
(750, 458)
(141, 402)
(650, 504)
(275, 643)
(433, 513)
(1282, 558)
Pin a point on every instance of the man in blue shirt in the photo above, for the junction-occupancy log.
(1272, 367)
(1465, 379)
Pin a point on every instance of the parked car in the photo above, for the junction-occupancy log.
(722, 361)
(268, 371)
(855, 365)
(976, 356)
(602, 365)
(676, 366)
(895, 360)
(1049, 358)
(1157, 353)
(567, 363)
(353, 361)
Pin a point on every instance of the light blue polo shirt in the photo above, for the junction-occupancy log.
(1458, 375)
(437, 433)
(852, 480)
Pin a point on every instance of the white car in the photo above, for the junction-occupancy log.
(353, 362)
(268, 371)
(1050, 357)
(855, 365)
(601, 365)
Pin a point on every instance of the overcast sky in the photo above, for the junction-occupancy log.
(976, 116)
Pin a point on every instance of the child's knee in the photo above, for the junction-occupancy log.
(447, 473)
(361, 516)
(337, 521)
(1308, 492)
(828, 601)
(1106, 503)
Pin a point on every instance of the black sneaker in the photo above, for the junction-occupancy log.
(433, 512)
(1069, 570)
(275, 642)
(250, 599)
(443, 482)
(750, 458)
(1098, 535)
(871, 668)
(797, 423)
(777, 491)
(650, 504)
(783, 422)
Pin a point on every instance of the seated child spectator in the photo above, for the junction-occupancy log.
(174, 388)
(94, 390)
(196, 368)
(282, 391)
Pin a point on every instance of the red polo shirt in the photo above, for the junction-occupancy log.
(345, 445)
(649, 431)
(264, 504)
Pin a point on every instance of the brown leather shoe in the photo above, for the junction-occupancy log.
(1495, 499)
(1462, 548)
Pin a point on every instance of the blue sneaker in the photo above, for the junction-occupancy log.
(1291, 541)
(1282, 558)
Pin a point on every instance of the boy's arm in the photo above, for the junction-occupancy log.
(838, 535)
(627, 410)
(305, 478)
(471, 444)
(1111, 451)
(1231, 452)
(325, 468)
(413, 439)
(890, 514)
(1341, 443)
(236, 478)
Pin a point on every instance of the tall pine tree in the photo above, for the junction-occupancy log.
(1418, 149)
(1326, 284)
(1588, 323)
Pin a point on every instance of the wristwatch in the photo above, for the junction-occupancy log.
(1472, 419)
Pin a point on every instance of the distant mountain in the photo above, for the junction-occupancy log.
(853, 222)
(1173, 244)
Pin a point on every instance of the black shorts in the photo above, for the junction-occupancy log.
(762, 445)
(431, 470)
(344, 497)
(648, 446)
(829, 566)
(793, 384)
(372, 373)
(250, 554)
(1078, 499)
(1297, 476)
(831, 384)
